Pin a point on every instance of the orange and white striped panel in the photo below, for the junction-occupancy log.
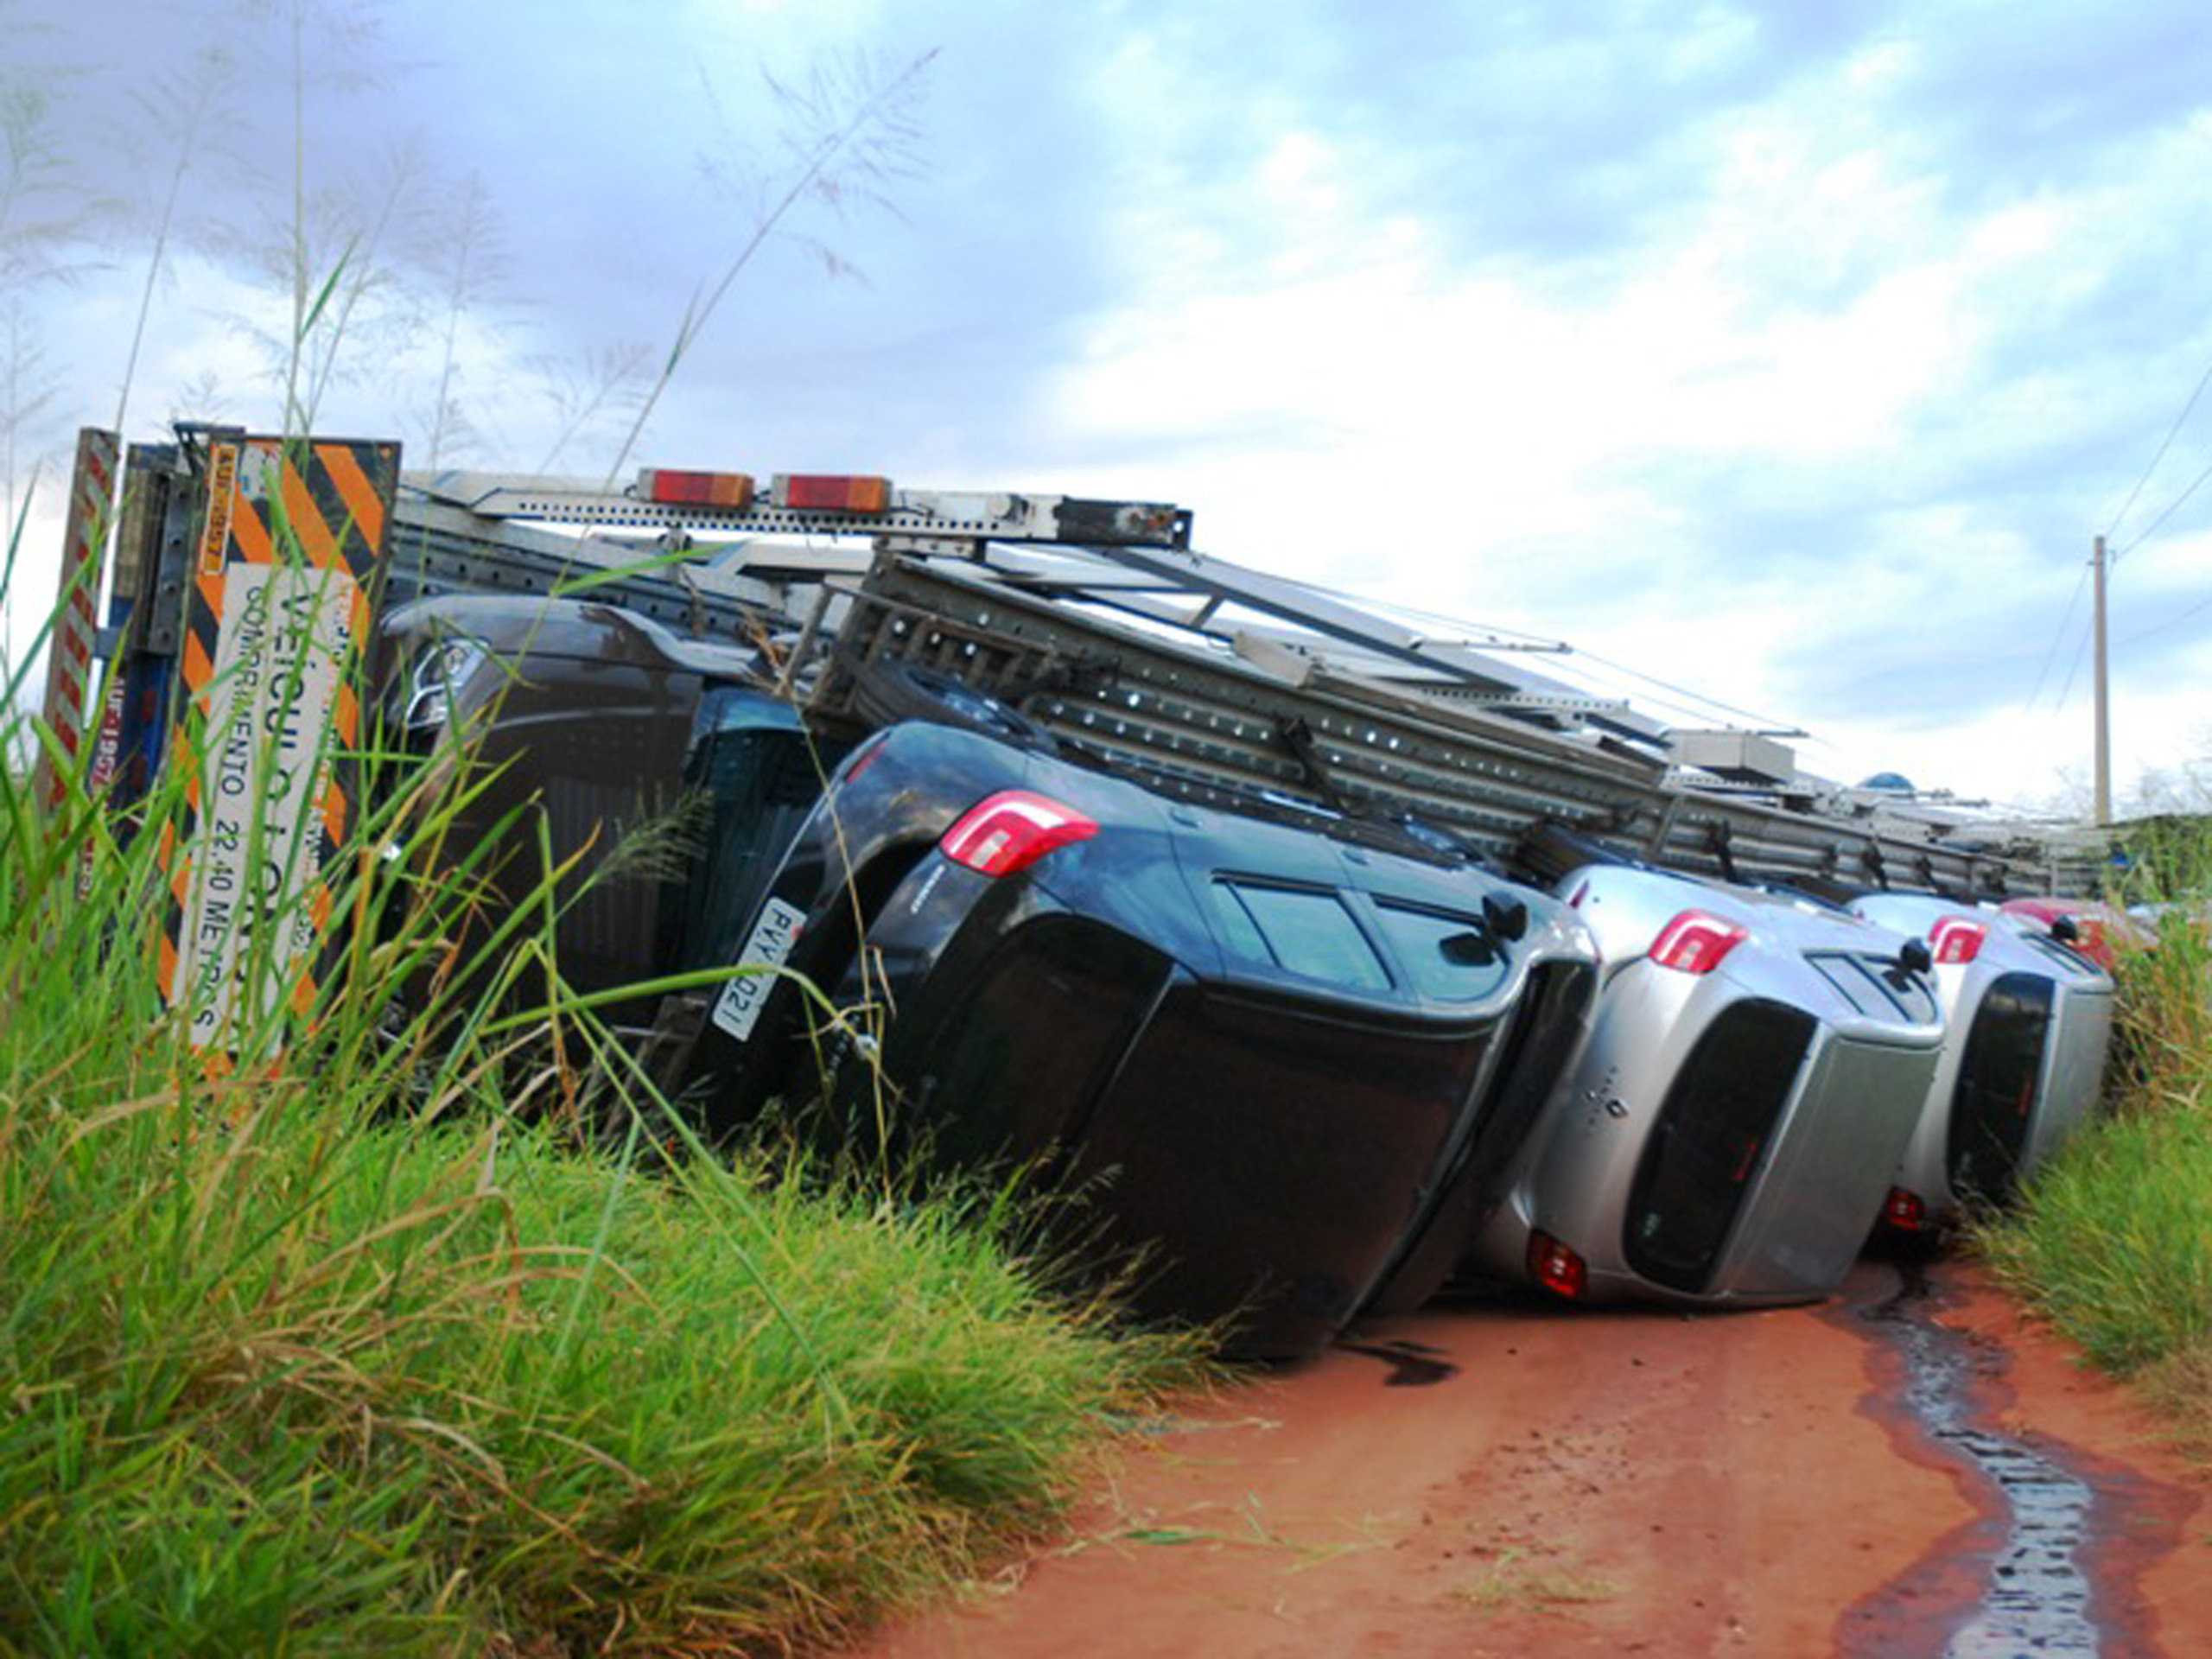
(278, 614)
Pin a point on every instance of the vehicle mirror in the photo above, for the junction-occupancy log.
(1914, 958)
(1472, 949)
(2065, 930)
(1508, 918)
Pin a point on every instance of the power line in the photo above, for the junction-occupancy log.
(1693, 700)
(2172, 432)
(2196, 484)
(2051, 651)
(2067, 691)
(2174, 620)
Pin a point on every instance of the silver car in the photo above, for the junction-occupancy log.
(2029, 1021)
(1754, 1067)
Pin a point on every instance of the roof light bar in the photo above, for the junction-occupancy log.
(1010, 830)
(1695, 943)
(733, 491)
(830, 493)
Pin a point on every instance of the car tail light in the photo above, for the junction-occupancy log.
(1694, 943)
(1955, 939)
(865, 756)
(1012, 830)
(1904, 1210)
(830, 493)
(1555, 1267)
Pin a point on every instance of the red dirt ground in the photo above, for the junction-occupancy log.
(1522, 1481)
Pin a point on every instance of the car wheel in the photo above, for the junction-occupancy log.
(887, 692)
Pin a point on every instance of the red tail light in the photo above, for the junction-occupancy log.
(1955, 939)
(1012, 830)
(1694, 943)
(865, 756)
(1554, 1267)
(1904, 1210)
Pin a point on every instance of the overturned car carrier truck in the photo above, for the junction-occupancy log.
(1159, 724)
(1098, 622)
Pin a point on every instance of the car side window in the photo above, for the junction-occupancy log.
(1302, 931)
(1451, 958)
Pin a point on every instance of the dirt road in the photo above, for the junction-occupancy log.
(1905, 1471)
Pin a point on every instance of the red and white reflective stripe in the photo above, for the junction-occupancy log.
(1956, 939)
(1011, 829)
(84, 558)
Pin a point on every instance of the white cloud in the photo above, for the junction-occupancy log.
(1793, 355)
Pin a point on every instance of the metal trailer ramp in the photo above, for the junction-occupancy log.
(1165, 680)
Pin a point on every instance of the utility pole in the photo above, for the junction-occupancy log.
(2102, 807)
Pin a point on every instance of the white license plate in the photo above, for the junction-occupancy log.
(773, 935)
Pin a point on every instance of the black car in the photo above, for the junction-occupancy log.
(610, 749)
(1291, 1068)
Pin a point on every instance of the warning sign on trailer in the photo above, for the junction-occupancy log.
(271, 656)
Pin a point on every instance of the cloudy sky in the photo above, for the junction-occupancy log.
(1790, 356)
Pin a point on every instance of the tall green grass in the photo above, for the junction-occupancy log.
(340, 1352)
(2112, 1240)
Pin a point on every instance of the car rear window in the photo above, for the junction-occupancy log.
(1999, 1073)
(1705, 1144)
(1302, 931)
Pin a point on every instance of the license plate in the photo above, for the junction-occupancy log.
(738, 1005)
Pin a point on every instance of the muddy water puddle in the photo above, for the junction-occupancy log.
(2039, 1575)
